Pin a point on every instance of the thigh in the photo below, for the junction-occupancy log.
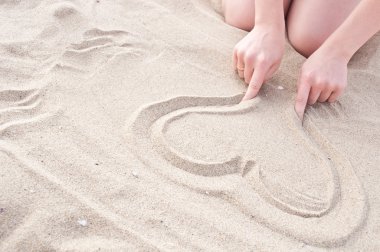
(311, 22)
(241, 13)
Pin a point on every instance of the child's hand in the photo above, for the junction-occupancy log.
(258, 55)
(323, 78)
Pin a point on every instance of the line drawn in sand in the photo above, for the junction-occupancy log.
(322, 222)
(18, 107)
(106, 44)
(21, 107)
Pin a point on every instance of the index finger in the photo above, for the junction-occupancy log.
(256, 82)
(302, 97)
(234, 58)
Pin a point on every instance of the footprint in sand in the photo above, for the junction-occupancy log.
(79, 57)
(323, 220)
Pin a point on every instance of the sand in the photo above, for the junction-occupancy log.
(121, 130)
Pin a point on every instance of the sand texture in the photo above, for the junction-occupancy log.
(121, 130)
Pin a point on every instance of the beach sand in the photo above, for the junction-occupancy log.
(121, 130)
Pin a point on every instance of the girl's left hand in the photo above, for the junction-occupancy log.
(323, 78)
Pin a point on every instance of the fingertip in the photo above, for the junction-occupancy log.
(248, 96)
(301, 100)
(234, 59)
(300, 107)
(299, 112)
(331, 100)
(251, 93)
(245, 98)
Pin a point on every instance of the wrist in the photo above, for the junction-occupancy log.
(270, 14)
(278, 29)
(337, 51)
(273, 26)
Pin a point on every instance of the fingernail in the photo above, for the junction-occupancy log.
(300, 117)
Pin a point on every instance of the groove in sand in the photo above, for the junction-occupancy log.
(322, 222)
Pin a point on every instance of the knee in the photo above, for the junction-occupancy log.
(235, 16)
(304, 41)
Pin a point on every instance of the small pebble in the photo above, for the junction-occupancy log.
(207, 192)
(135, 174)
(83, 222)
(32, 191)
(2, 210)
(280, 87)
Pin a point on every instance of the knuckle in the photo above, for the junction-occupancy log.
(307, 76)
(301, 85)
(321, 99)
(235, 50)
(254, 86)
(240, 53)
(301, 99)
(320, 84)
(311, 102)
(333, 85)
(249, 58)
(262, 60)
(336, 86)
(304, 69)
(247, 78)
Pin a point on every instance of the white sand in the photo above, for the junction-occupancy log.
(120, 131)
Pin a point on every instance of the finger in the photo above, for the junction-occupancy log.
(271, 72)
(241, 74)
(248, 71)
(324, 95)
(256, 82)
(335, 95)
(240, 67)
(313, 95)
(301, 99)
(234, 58)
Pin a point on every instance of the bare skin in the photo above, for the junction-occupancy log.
(327, 32)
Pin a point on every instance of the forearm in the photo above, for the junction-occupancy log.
(270, 13)
(357, 29)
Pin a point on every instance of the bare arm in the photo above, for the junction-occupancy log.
(357, 29)
(270, 13)
(324, 74)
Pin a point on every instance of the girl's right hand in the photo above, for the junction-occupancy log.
(258, 56)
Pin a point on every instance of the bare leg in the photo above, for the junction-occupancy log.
(310, 22)
(241, 13)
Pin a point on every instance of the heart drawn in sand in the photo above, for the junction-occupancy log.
(244, 182)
